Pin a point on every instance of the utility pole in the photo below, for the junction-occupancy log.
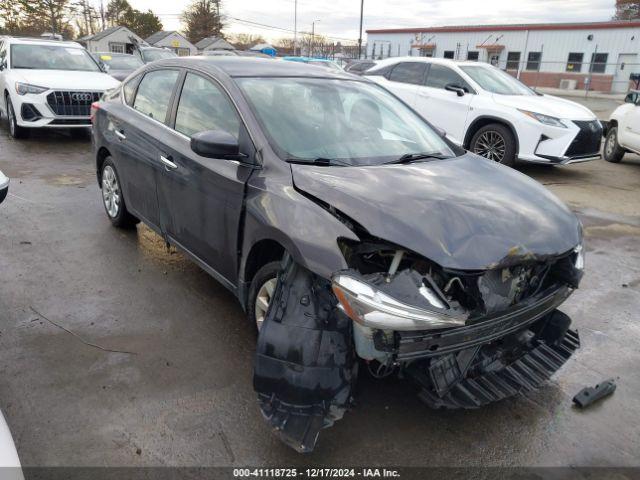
(360, 37)
(295, 28)
(313, 37)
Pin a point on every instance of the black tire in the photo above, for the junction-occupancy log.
(612, 151)
(15, 130)
(501, 149)
(267, 272)
(120, 216)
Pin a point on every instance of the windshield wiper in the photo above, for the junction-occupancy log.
(412, 157)
(319, 161)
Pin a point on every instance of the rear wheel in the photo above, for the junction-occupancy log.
(112, 197)
(495, 142)
(15, 130)
(613, 152)
(261, 291)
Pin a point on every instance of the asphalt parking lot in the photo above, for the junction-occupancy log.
(114, 351)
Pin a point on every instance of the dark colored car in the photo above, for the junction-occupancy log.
(118, 65)
(348, 228)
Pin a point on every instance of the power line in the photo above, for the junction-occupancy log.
(261, 25)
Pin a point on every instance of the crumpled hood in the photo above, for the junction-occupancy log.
(547, 105)
(67, 79)
(466, 213)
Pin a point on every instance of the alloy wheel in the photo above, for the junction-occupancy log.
(11, 116)
(609, 146)
(491, 145)
(110, 192)
(263, 299)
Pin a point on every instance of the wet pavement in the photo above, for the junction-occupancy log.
(114, 351)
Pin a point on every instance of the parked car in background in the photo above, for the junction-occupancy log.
(347, 226)
(358, 67)
(491, 113)
(318, 62)
(118, 65)
(151, 54)
(48, 84)
(4, 187)
(623, 129)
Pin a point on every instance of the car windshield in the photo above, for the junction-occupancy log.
(496, 81)
(121, 62)
(52, 57)
(342, 122)
(153, 55)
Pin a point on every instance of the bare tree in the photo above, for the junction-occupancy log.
(244, 41)
(627, 10)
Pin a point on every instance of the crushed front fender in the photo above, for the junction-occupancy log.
(305, 364)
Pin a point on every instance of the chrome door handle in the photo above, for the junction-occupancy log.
(120, 135)
(168, 164)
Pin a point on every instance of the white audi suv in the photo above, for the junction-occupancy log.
(491, 113)
(48, 83)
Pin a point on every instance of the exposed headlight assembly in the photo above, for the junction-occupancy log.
(372, 308)
(24, 88)
(579, 261)
(546, 119)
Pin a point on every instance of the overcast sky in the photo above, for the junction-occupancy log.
(341, 18)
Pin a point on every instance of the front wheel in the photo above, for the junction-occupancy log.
(613, 152)
(495, 142)
(261, 291)
(15, 130)
(112, 197)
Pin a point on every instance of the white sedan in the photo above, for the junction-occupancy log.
(623, 129)
(10, 467)
(491, 113)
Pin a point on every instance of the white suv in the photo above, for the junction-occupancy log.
(623, 129)
(490, 113)
(48, 83)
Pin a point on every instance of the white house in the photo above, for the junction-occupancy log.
(214, 43)
(604, 54)
(114, 39)
(174, 41)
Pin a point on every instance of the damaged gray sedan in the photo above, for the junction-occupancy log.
(354, 234)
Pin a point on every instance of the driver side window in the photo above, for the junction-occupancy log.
(440, 76)
(203, 106)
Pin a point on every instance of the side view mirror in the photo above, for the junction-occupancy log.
(455, 88)
(215, 144)
(4, 187)
(2, 65)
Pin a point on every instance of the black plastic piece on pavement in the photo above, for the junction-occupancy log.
(589, 395)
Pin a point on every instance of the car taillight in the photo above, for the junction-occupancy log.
(95, 106)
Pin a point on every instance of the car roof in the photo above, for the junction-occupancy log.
(255, 67)
(113, 54)
(41, 41)
(441, 61)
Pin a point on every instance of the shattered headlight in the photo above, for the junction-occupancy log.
(546, 119)
(372, 308)
(24, 88)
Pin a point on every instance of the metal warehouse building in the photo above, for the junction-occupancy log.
(599, 56)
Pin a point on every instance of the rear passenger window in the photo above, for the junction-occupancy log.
(408, 72)
(129, 89)
(154, 93)
(203, 106)
(441, 76)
